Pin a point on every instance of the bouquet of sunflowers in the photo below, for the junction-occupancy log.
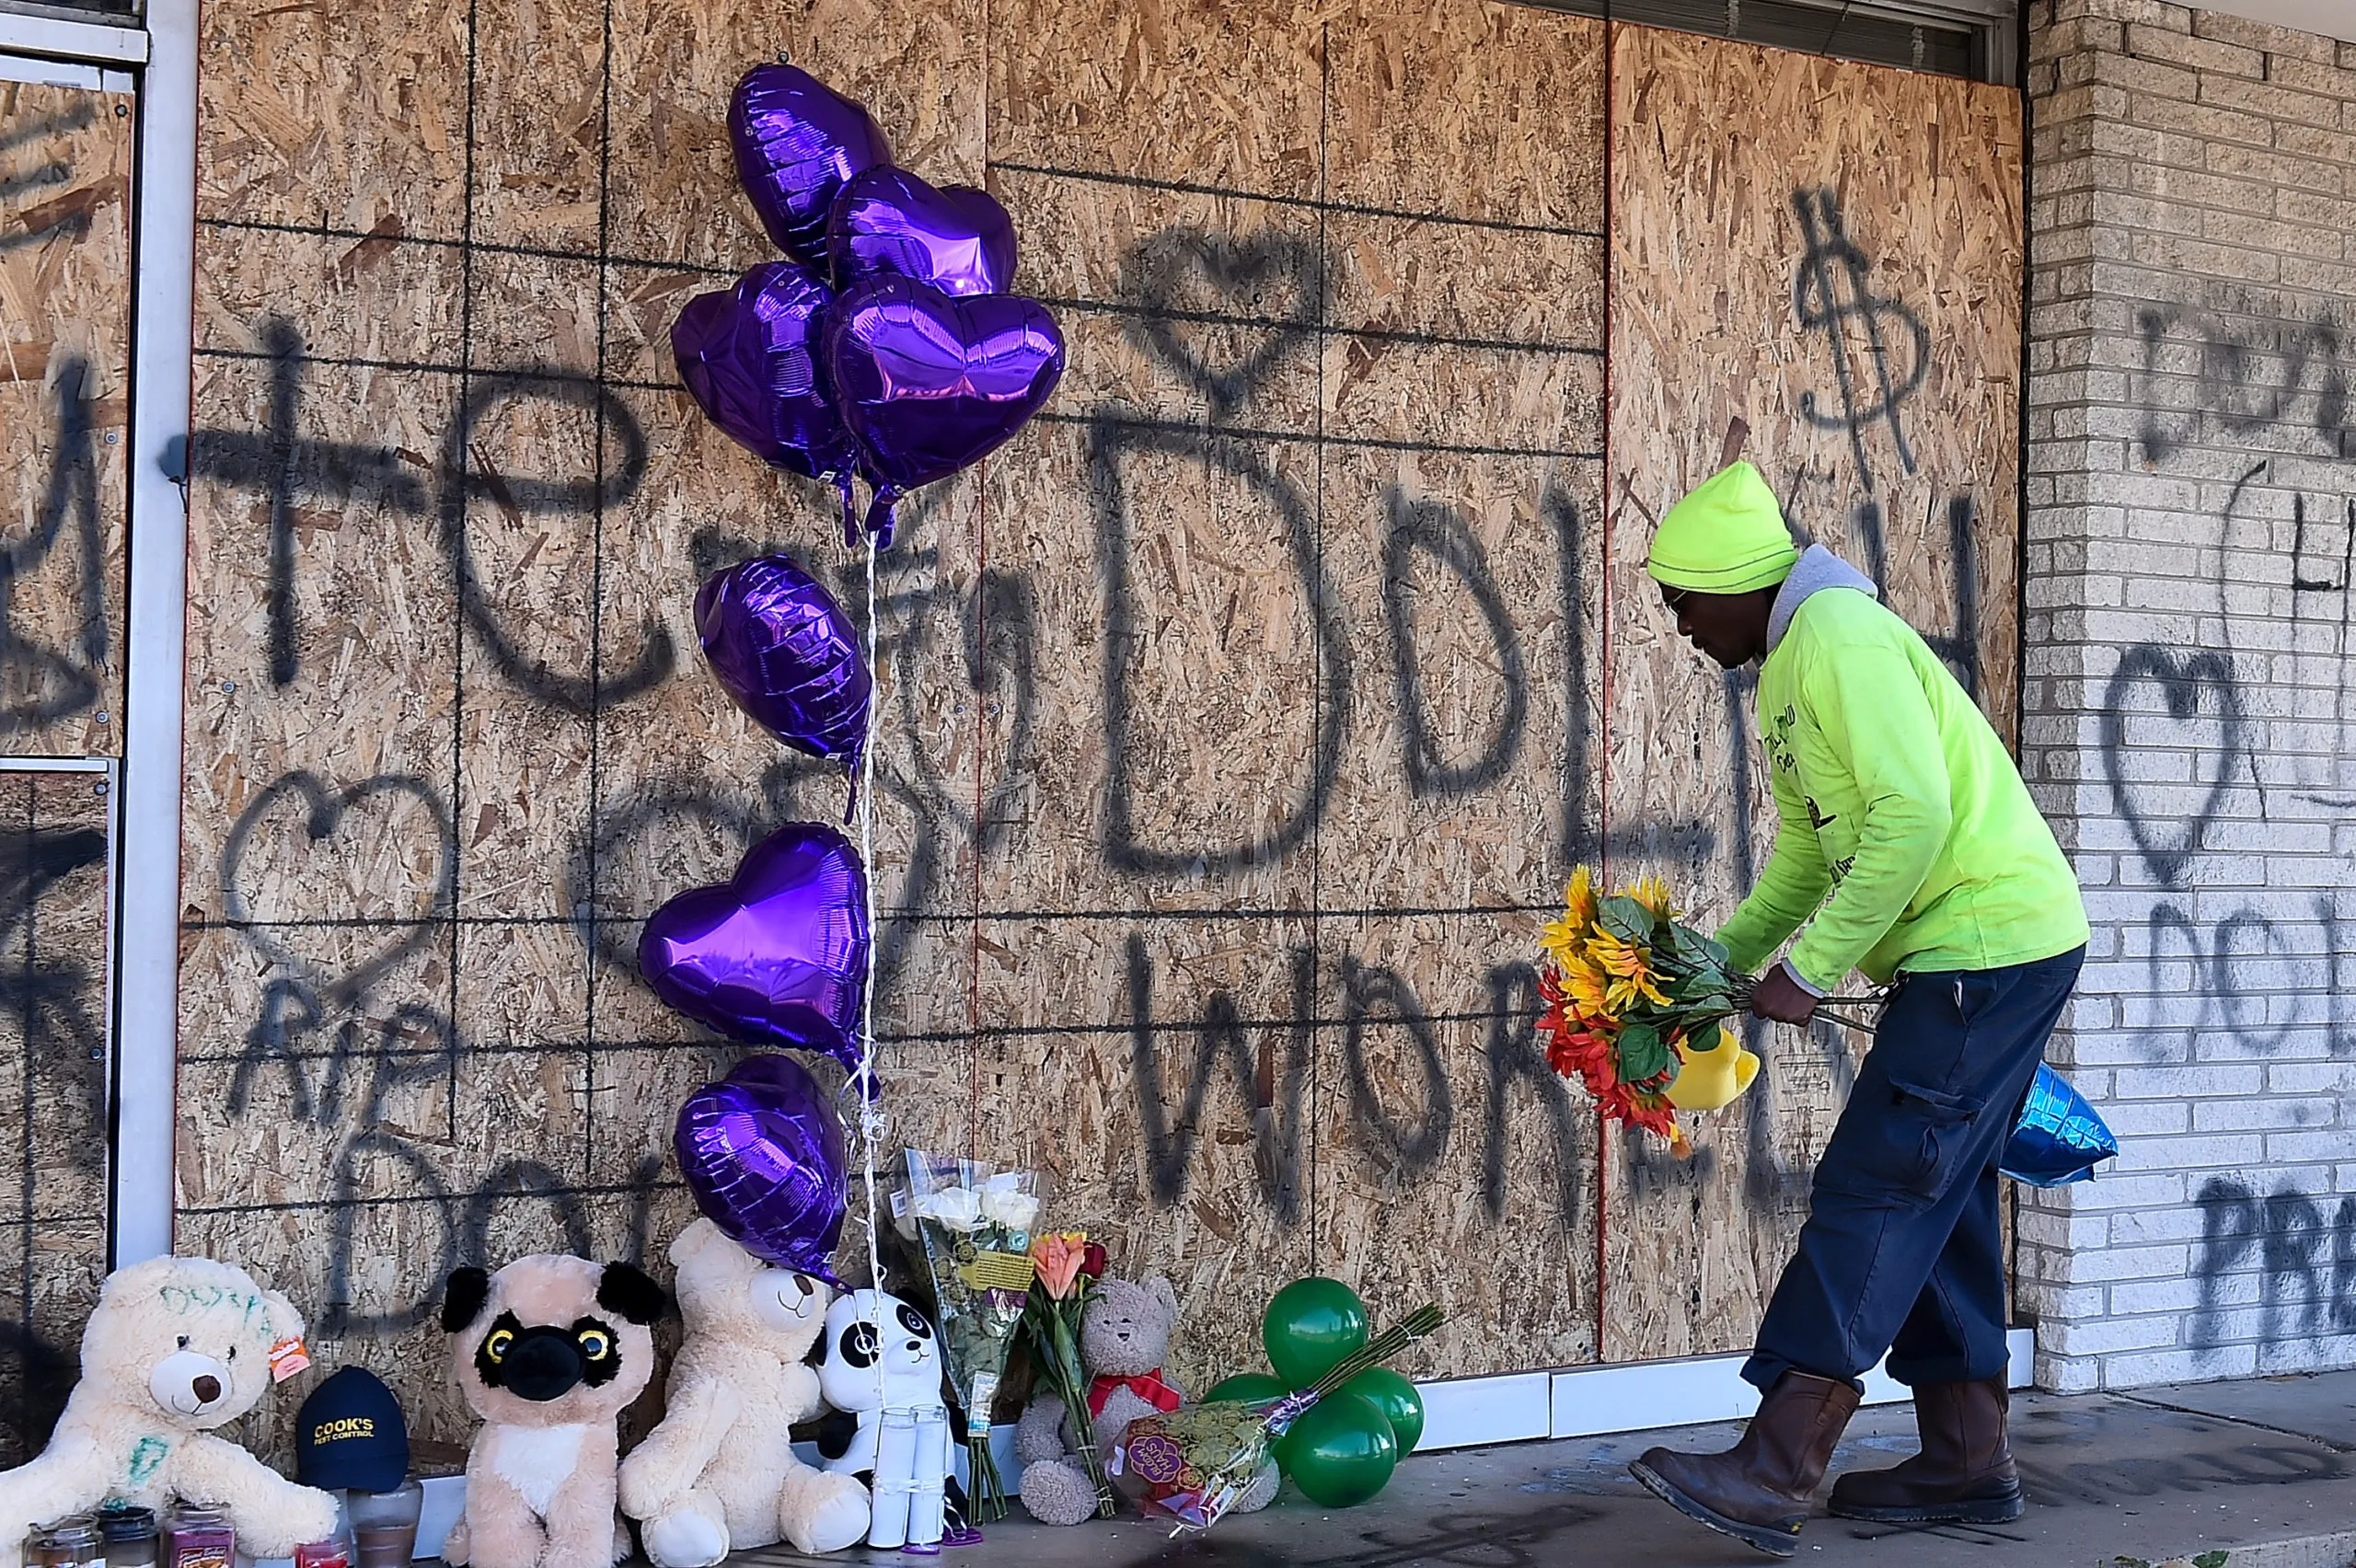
(1629, 992)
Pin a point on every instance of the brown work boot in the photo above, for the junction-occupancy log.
(1757, 1490)
(1964, 1474)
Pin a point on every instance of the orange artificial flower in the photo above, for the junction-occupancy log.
(1058, 1256)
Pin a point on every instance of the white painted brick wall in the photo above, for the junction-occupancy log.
(2189, 713)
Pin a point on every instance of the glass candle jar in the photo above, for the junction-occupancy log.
(71, 1543)
(201, 1537)
(384, 1526)
(129, 1537)
(328, 1553)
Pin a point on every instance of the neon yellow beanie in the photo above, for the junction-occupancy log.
(1725, 537)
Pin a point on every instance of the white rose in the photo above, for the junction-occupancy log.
(952, 1208)
(1010, 1208)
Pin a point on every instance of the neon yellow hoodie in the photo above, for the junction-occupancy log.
(1893, 793)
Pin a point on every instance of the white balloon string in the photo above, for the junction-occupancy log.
(870, 1113)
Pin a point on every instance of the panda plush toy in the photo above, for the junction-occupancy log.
(880, 1367)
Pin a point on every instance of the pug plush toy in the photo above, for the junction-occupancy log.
(549, 1352)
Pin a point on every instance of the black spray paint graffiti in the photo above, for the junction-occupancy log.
(289, 468)
(53, 999)
(313, 1030)
(2187, 764)
(2304, 1264)
(1435, 566)
(38, 683)
(2182, 715)
(1830, 290)
(1269, 1081)
(2245, 372)
(52, 1002)
(65, 215)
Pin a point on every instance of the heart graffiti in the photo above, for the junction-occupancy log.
(392, 802)
(2196, 689)
(1167, 273)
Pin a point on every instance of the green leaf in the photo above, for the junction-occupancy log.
(1643, 1053)
(1625, 918)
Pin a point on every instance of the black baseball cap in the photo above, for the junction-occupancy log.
(351, 1436)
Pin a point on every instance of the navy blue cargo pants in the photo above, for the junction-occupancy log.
(1903, 1248)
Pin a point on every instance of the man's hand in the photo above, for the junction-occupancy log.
(1783, 999)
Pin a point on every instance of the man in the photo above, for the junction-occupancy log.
(1893, 797)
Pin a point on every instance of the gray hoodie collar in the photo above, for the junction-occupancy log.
(1817, 569)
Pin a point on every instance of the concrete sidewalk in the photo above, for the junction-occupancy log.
(2262, 1470)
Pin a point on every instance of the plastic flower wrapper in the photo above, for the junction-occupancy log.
(975, 1228)
(1193, 1464)
(1068, 1265)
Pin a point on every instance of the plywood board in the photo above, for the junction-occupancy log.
(55, 860)
(1832, 252)
(1238, 721)
(65, 158)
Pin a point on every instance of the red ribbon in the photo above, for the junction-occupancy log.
(1148, 1388)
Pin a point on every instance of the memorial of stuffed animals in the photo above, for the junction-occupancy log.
(883, 780)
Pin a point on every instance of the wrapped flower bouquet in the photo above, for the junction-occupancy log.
(975, 1226)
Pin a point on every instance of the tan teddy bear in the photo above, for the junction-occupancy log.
(1125, 1331)
(720, 1474)
(176, 1348)
(549, 1352)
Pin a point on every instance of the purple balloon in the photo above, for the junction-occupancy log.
(763, 1154)
(927, 383)
(797, 140)
(776, 955)
(748, 354)
(784, 650)
(887, 221)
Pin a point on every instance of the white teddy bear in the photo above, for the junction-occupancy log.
(176, 1347)
(719, 1475)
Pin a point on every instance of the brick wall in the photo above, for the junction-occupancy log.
(2189, 722)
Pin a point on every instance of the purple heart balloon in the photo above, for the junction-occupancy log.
(763, 1154)
(748, 354)
(797, 140)
(776, 955)
(927, 383)
(887, 221)
(786, 653)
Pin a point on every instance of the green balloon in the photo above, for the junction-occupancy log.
(1249, 1387)
(1340, 1452)
(1397, 1399)
(1309, 1327)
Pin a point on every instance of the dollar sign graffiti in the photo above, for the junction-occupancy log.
(1830, 288)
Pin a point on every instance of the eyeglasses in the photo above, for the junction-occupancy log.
(1675, 598)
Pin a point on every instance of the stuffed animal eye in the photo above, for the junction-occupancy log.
(914, 1321)
(183, 1342)
(496, 1345)
(862, 1345)
(595, 1344)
